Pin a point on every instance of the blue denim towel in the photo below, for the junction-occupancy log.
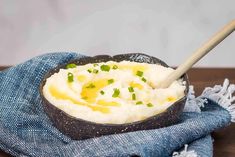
(26, 130)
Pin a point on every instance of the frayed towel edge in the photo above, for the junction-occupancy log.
(221, 94)
(193, 104)
(185, 153)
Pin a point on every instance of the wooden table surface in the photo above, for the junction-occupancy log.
(224, 144)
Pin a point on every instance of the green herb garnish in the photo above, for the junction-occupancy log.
(131, 89)
(139, 103)
(95, 71)
(133, 96)
(95, 64)
(89, 70)
(110, 81)
(90, 86)
(116, 92)
(143, 79)
(139, 73)
(150, 105)
(115, 67)
(102, 92)
(70, 77)
(105, 67)
(68, 66)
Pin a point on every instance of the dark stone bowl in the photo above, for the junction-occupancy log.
(80, 129)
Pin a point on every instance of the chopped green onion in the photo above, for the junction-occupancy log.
(95, 64)
(115, 67)
(102, 92)
(116, 92)
(139, 103)
(133, 96)
(143, 79)
(91, 86)
(110, 81)
(71, 66)
(70, 77)
(131, 89)
(105, 67)
(139, 73)
(150, 105)
(89, 70)
(95, 71)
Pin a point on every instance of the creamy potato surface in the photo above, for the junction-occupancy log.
(112, 92)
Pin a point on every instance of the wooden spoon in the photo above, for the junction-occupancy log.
(198, 54)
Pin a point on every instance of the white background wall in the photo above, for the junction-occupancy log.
(169, 29)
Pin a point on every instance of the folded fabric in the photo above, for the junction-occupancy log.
(27, 131)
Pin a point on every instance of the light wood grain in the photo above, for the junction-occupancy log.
(198, 54)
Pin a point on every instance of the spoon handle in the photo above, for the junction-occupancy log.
(198, 54)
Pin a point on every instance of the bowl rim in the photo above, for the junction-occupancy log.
(62, 66)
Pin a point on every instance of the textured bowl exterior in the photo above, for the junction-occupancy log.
(80, 129)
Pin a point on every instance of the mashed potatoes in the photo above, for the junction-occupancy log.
(112, 92)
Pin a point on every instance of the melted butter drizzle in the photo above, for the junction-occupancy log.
(91, 93)
(63, 96)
